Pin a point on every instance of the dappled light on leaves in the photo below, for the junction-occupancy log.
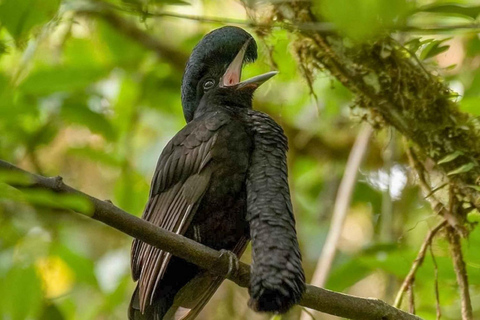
(57, 278)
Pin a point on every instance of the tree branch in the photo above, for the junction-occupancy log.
(437, 292)
(342, 203)
(454, 229)
(395, 89)
(461, 272)
(323, 300)
(410, 278)
(437, 206)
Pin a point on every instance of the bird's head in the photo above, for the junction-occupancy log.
(215, 66)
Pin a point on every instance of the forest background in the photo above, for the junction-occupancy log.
(379, 99)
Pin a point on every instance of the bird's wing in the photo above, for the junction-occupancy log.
(191, 299)
(181, 178)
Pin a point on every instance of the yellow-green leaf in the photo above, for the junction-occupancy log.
(15, 178)
(19, 17)
(474, 187)
(465, 168)
(450, 157)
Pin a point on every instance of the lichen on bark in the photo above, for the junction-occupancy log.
(394, 88)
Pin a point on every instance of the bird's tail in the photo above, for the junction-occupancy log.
(185, 304)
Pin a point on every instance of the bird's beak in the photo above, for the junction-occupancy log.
(256, 81)
(233, 74)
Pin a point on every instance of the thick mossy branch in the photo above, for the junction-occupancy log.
(323, 300)
(394, 86)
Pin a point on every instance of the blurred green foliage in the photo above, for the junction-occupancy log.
(82, 99)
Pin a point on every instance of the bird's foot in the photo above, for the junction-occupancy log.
(233, 262)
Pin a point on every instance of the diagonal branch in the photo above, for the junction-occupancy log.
(436, 205)
(342, 203)
(323, 300)
(410, 278)
(454, 230)
(437, 292)
(461, 272)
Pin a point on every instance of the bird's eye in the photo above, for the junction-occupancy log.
(208, 84)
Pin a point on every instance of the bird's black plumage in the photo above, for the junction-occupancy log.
(277, 280)
(221, 180)
(212, 54)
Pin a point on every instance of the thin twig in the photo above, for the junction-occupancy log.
(461, 272)
(386, 231)
(327, 301)
(410, 278)
(32, 156)
(411, 299)
(437, 292)
(453, 230)
(436, 205)
(342, 203)
(310, 314)
(386, 218)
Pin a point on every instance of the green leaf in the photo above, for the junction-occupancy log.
(414, 44)
(21, 293)
(130, 191)
(98, 156)
(472, 46)
(15, 178)
(362, 19)
(58, 200)
(346, 275)
(124, 51)
(3, 49)
(452, 9)
(473, 216)
(465, 168)
(42, 135)
(474, 187)
(82, 266)
(450, 157)
(51, 80)
(47, 198)
(78, 113)
(387, 257)
(471, 105)
(51, 312)
(20, 16)
(434, 48)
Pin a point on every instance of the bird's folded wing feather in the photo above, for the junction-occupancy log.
(191, 299)
(181, 178)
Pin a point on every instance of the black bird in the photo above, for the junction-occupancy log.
(221, 181)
